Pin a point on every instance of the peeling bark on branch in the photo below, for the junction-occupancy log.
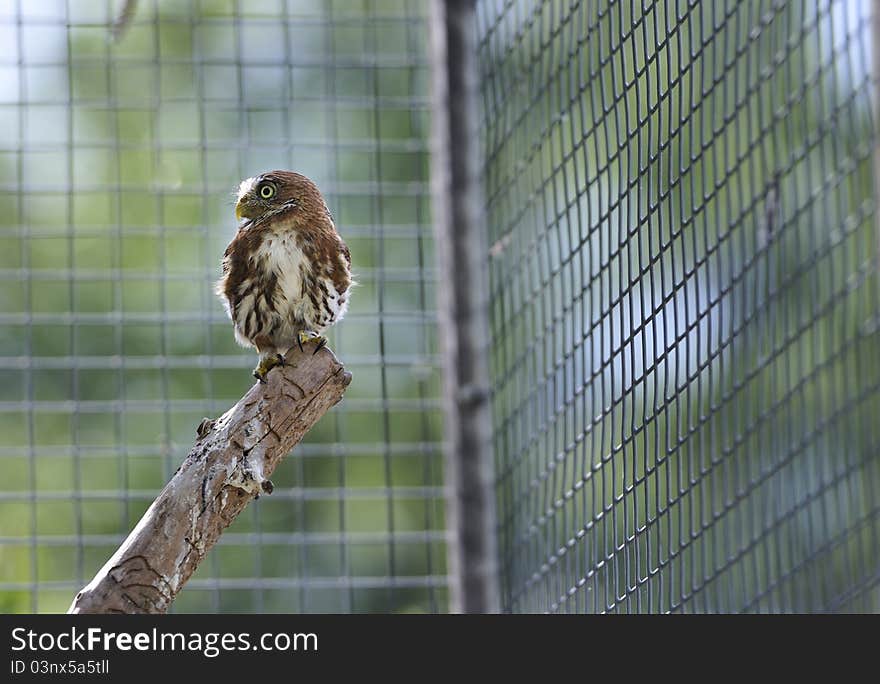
(230, 465)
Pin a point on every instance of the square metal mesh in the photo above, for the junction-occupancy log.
(684, 303)
(117, 166)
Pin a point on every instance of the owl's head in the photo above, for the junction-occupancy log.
(276, 191)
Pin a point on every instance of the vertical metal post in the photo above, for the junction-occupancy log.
(463, 294)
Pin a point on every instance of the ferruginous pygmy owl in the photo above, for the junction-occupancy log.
(286, 273)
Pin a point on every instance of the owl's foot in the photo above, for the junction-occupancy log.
(306, 337)
(266, 364)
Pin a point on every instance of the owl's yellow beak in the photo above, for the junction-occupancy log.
(244, 209)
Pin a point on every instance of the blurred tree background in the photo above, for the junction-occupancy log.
(118, 164)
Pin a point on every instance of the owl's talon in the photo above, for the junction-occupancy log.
(266, 364)
(306, 337)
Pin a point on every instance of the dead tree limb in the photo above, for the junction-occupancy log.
(230, 465)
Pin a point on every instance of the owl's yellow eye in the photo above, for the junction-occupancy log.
(267, 191)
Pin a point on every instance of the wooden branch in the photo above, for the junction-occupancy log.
(230, 465)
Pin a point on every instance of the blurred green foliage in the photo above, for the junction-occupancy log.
(118, 165)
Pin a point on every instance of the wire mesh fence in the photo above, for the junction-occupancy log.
(117, 163)
(684, 309)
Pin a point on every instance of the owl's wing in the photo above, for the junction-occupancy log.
(226, 261)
